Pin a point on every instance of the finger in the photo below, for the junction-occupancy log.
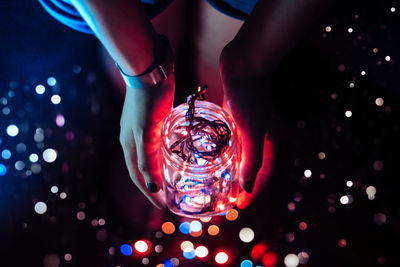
(252, 155)
(252, 134)
(129, 149)
(147, 148)
(263, 175)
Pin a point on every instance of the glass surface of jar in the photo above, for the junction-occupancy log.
(205, 187)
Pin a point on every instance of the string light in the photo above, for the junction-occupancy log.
(199, 152)
(199, 128)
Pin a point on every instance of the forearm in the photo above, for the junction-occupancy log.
(125, 31)
(273, 28)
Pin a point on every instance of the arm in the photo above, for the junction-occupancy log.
(247, 62)
(124, 29)
(272, 29)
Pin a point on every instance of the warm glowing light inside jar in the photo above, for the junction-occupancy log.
(199, 186)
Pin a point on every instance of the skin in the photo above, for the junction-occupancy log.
(246, 62)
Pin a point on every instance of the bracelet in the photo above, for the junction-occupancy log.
(155, 76)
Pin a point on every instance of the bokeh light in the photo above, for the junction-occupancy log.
(49, 155)
(189, 253)
(168, 263)
(258, 251)
(126, 249)
(246, 263)
(40, 207)
(303, 257)
(184, 228)
(55, 99)
(221, 257)
(60, 120)
(168, 228)
(196, 234)
(205, 219)
(201, 251)
(246, 235)
(342, 243)
(54, 189)
(40, 89)
(6, 154)
(186, 244)
(232, 215)
(195, 226)
(141, 246)
(3, 169)
(12, 130)
(213, 230)
(270, 259)
(51, 81)
(291, 260)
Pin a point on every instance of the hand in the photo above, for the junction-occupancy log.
(246, 98)
(142, 118)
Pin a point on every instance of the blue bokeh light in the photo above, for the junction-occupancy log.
(51, 81)
(6, 154)
(189, 254)
(184, 228)
(246, 263)
(126, 250)
(3, 170)
(168, 263)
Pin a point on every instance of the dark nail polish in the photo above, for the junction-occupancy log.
(152, 187)
(249, 186)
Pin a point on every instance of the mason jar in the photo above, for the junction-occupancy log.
(205, 187)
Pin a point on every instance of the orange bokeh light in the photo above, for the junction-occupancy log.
(213, 230)
(168, 228)
(232, 215)
(186, 244)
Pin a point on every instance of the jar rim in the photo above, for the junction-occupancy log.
(175, 116)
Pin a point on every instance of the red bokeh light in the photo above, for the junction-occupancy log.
(303, 226)
(258, 251)
(270, 259)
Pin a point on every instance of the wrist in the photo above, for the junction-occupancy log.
(159, 70)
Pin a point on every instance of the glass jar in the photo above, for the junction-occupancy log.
(205, 187)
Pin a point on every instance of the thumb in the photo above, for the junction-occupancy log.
(263, 175)
(252, 158)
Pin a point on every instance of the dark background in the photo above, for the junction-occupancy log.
(88, 168)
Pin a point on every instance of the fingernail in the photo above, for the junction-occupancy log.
(152, 187)
(248, 187)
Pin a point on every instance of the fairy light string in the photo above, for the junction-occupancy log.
(215, 133)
